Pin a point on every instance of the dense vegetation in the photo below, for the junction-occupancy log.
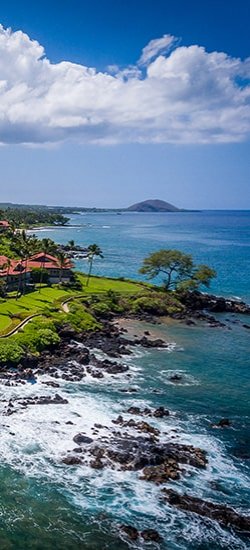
(84, 303)
(86, 311)
(19, 244)
(26, 217)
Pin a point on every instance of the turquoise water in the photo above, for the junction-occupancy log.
(220, 239)
(45, 504)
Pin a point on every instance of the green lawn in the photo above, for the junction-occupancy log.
(101, 284)
(33, 301)
(5, 322)
(36, 301)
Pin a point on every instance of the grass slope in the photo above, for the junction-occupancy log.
(13, 311)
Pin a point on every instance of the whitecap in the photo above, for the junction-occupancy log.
(185, 379)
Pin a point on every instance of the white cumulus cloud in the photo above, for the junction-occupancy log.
(185, 96)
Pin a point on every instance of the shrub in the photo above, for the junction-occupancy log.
(149, 305)
(46, 337)
(155, 303)
(80, 319)
(101, 310)
(10, 351)
(106, 304)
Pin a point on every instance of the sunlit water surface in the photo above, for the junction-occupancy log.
(46, 504)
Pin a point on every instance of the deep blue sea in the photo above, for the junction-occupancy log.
(218, 238)
(47, 505)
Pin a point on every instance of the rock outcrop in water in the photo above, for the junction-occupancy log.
(158, 462)
(218, 512)
(135, 440)
(197, 301)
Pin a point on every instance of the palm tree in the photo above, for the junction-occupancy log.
(71, 244)
(8, 266)
(27, 248)
(3, 285)
(93, 251)
(45, 248)
(12, 227)
(63, 262)
(20, 277)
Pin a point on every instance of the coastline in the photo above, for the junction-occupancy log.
(164, 456)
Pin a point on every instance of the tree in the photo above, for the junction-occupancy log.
(93, 251)
(26, 250)
(47, 246)
(71, 244)
(63, 262)
(178, 270)
(12, 227)
(8, 266)
(2, 289)
(21, 269)
(5, 267)
(202, 276)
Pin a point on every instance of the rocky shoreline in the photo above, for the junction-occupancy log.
(133, 442)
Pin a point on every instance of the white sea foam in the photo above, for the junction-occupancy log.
(35, 439)
(186, 379)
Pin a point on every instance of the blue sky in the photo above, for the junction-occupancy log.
(119, 101)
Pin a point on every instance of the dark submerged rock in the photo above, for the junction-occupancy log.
(131, 452)
(223, 423)
(71, 460)
(82, 438)
(161, 412)
(140, 426)
(97, 464)
(162, 473)
(84, 357)
(131, 532)
(148, 343)
(151, 535)
(176, 377)
(197, 301)
(218, 512)
(44, 400)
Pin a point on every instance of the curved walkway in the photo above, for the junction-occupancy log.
(21, 325)
(64, 306)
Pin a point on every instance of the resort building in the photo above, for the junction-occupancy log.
(15, 273)
(57, 273)
(18, 273)
(4, 226)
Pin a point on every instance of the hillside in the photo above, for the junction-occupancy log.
(153, 205)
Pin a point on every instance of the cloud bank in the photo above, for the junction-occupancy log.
(186, 95)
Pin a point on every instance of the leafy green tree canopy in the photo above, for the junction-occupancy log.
(177, 269)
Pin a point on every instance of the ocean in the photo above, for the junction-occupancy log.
(45, 504)
(219, 238)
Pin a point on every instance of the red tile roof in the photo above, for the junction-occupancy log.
(4, 223)
(51, 262)
(15, 267)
